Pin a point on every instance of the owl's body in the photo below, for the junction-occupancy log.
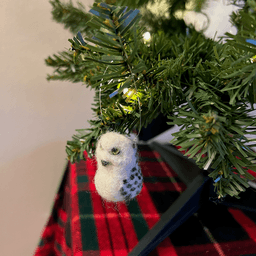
(118, 177)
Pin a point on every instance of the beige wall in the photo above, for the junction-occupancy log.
(37, 118)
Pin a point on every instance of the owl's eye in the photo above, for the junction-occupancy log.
(115, 151)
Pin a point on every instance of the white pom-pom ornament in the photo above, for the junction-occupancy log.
(118, 177)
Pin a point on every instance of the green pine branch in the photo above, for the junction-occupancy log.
(135, 80)
(73, 18)
(115, 50)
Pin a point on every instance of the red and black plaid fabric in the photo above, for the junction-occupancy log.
(82, 224)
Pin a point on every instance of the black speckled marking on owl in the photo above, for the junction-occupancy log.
(129, 186)
(132, 177)
(128, 197)
(134, 169)
(123, 193)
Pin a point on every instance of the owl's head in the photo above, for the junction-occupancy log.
(115, 149)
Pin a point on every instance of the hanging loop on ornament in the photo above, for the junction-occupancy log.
(140, 111)
(100, 94)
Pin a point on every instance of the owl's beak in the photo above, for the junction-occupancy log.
(104, 163)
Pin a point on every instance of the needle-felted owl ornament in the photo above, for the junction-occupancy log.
(118, 177)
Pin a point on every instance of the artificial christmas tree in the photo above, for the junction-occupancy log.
(136, 79)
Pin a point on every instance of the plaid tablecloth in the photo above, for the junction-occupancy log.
(82, 224)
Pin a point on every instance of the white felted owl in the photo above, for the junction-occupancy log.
(118, 177)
